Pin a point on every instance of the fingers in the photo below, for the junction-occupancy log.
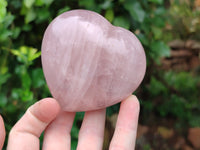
(92, 131)
(57, 134)
(126, 128)
(25, 134)
(2, 132)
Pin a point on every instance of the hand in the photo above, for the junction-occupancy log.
(2, 133)
(46, 115)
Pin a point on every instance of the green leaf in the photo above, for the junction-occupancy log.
(160, 11)
(3, 5)
(79, 116)
(39, 2)
(66, 8)
(27, 95)
(22, 94)
(16, 4)
(180, 79)
(109, 15)
(122, 22)
(4, 78)
(16, 32)
(26, 81)
(38, 78)
(106, 5)
(26, 27)
(136, 10)
(23, 10)
(157, 32)
(3, 100)
(143, 38)
(8, 20)
(3, 69)
(26, 54)
(158, 21)
(74, 132)
(74, 144)
(87, 3)
(21, 54)
(11, 109)
(156, 1)
(48, 2)
(157, 86)
(20, 69)
(16, 93)
(15, 52)
(33, 54)
(30, 16)
(28, 3)
(160, 49)
(5, 34)
(43, 15)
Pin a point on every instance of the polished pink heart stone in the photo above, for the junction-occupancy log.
(88, 63)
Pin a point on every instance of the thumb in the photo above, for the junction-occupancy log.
(26, 132)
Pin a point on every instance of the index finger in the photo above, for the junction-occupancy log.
(126, 126)
(2, 132)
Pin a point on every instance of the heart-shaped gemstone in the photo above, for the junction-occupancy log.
(88, 63)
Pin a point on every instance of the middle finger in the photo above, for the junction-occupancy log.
(57, 134)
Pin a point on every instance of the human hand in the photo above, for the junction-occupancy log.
(46, 115)
(2, 133)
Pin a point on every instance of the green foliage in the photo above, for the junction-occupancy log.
(3, 5)
(22, 83)
(178, 97)
(147, 147)
(159, 49)
(122, 22)
(187, 23)
(26, 55)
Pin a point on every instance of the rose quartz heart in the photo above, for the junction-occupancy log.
(88, 63)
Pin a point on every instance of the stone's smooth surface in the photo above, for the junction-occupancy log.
(88, 63)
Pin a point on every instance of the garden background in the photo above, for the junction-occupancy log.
(170, 92)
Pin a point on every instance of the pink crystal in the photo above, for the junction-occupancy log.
(88, 63)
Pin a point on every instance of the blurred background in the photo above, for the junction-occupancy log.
(170, 92)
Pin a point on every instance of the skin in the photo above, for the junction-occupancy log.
(46, 116)
(2, 132)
